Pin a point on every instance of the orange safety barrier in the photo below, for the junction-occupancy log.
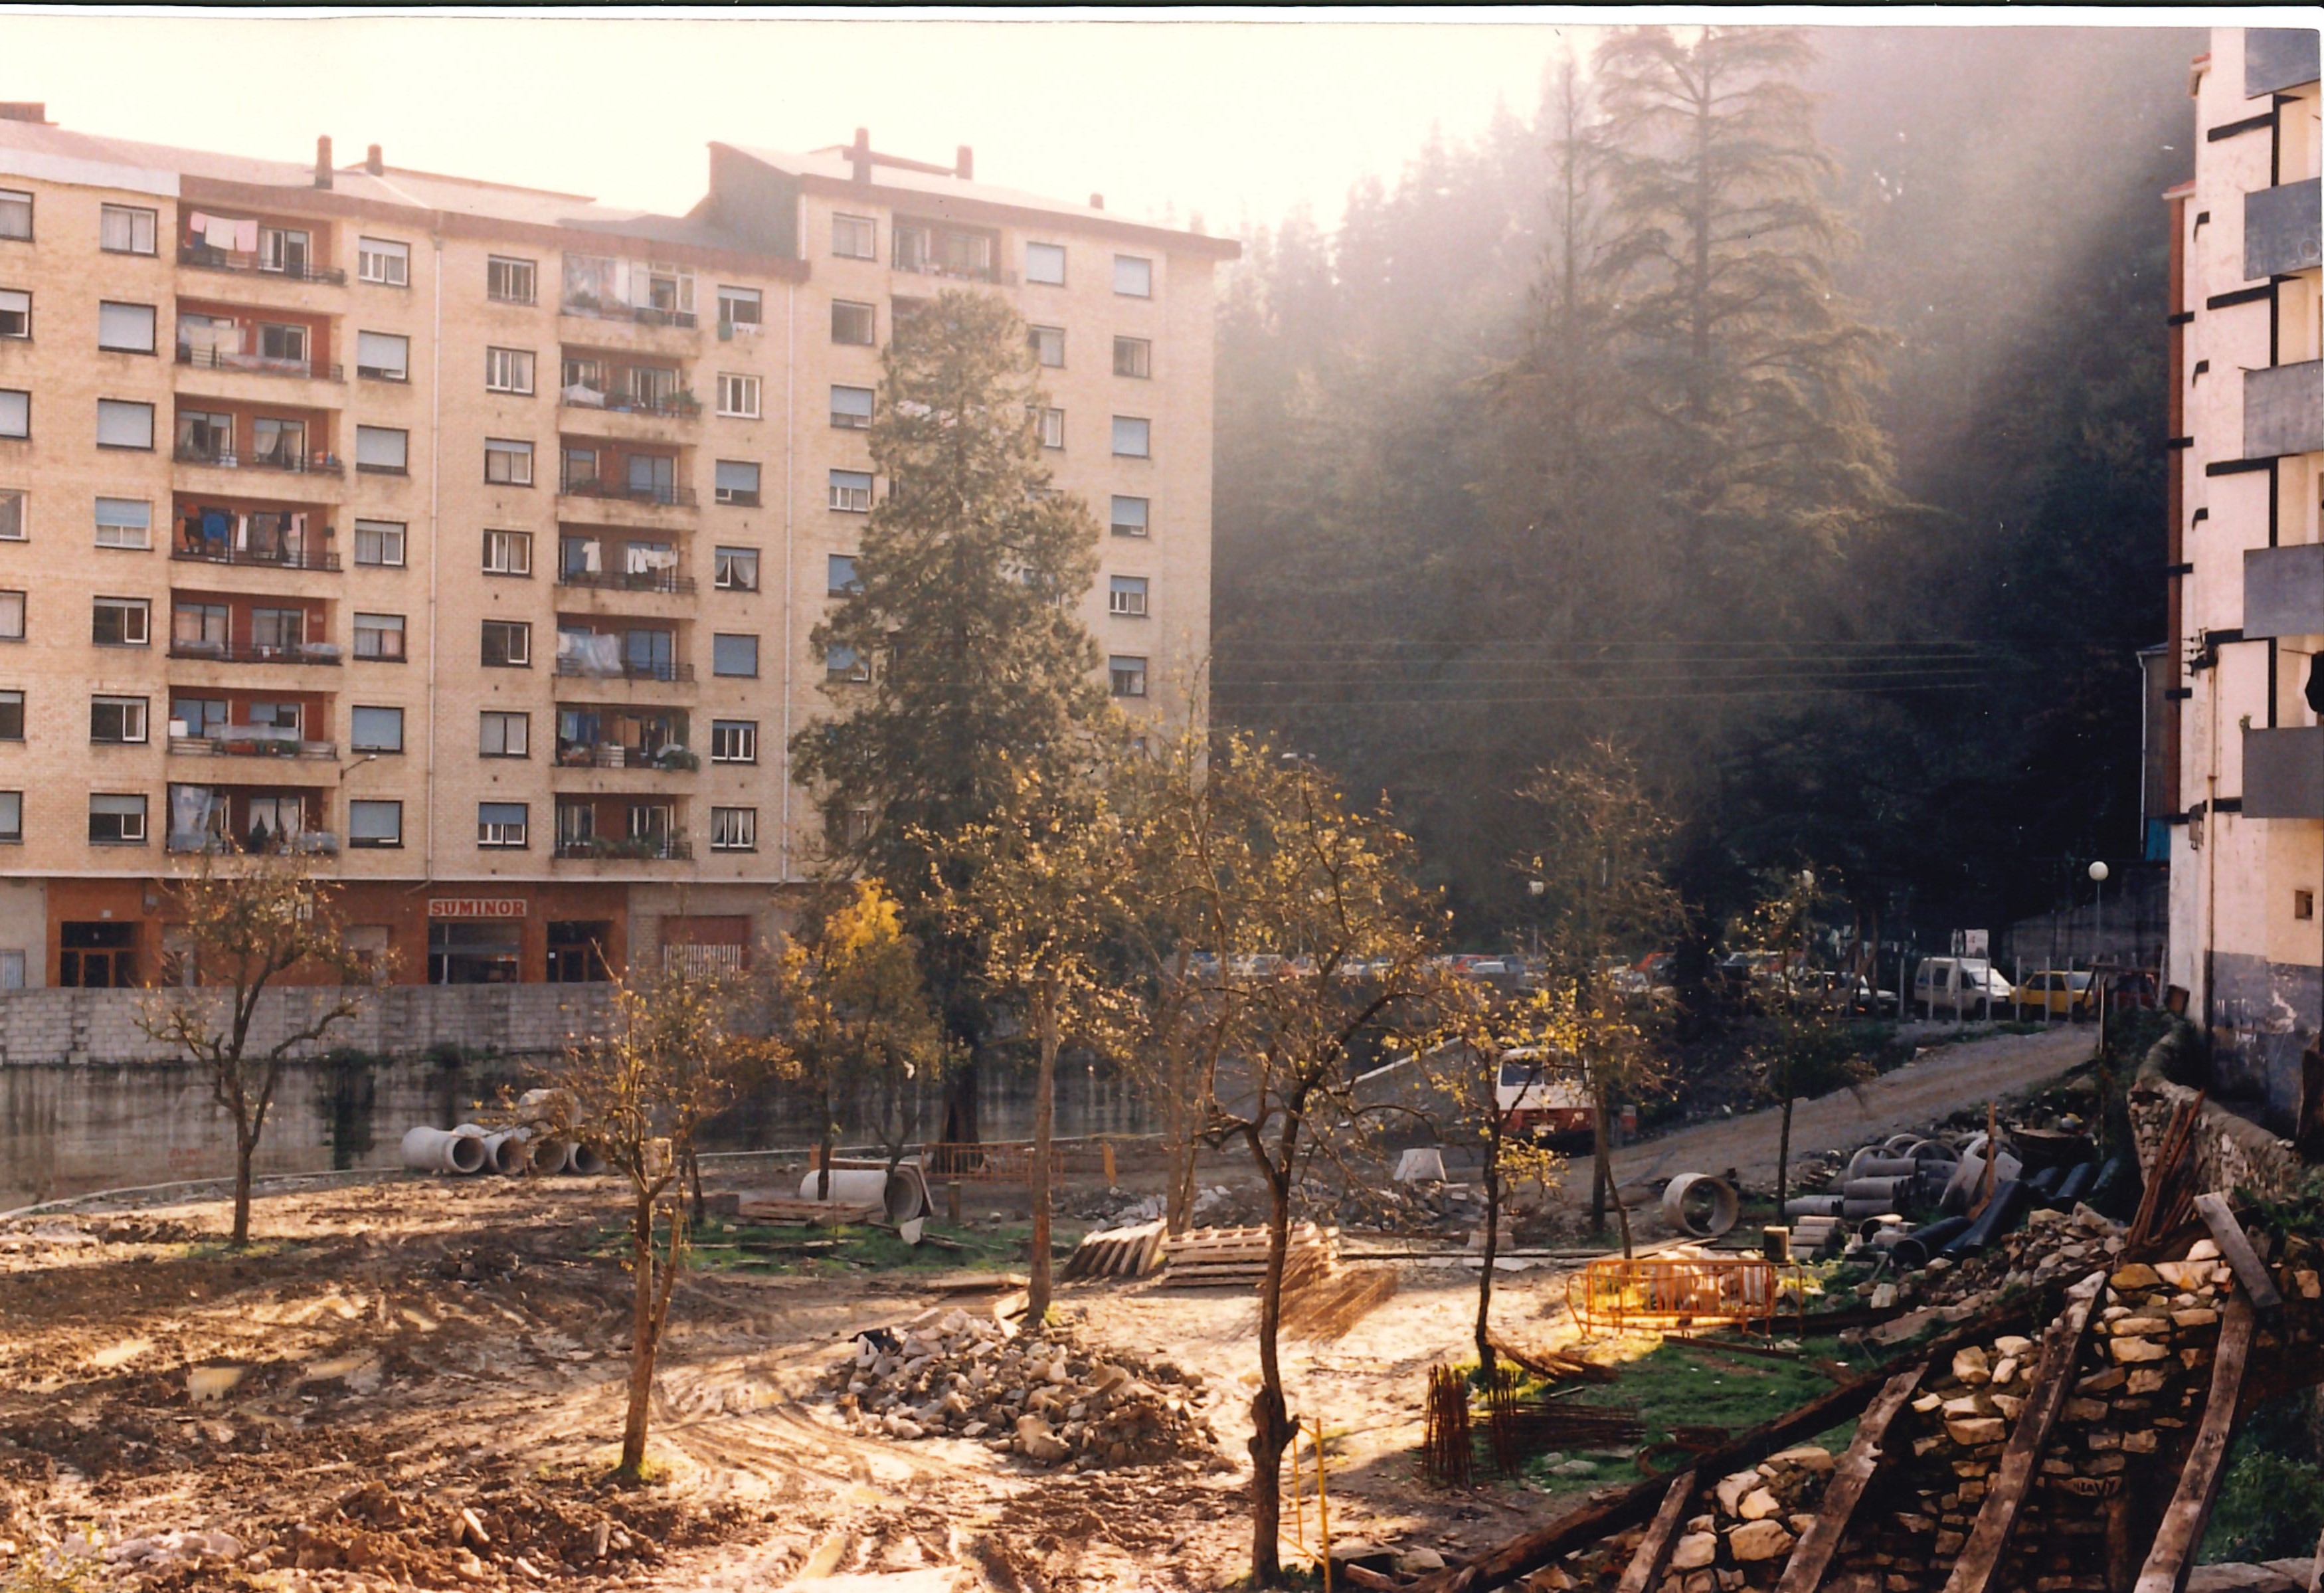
(1655, 1291)
(1011, 1160)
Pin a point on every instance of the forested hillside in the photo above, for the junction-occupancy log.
(1788, 407)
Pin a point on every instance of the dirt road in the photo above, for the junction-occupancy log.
(1945, 1079)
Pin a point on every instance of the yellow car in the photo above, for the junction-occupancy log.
(2055, 994)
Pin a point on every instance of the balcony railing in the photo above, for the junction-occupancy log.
(205, 259)
(648, 849)
(251, 741)
(223, 652)
(591, 486)
(643, 314)
(285, 559)
(262, 364)
(308, 842)
(963, 273)
(619, 580)
(683, 406)
(226, 459)
(668, 760)
(630, 670)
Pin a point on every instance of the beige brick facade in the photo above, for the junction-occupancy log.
(480, 530)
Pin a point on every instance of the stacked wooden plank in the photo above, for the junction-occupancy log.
(1118, 1253)
(1236, 1258)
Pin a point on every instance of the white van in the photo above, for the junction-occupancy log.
(1959, 986)
(1542, 1096)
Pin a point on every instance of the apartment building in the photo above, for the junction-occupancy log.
(469, 537)
(2243, 781)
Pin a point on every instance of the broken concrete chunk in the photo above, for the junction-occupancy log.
(1759, 1540)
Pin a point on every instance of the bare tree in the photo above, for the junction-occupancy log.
(672, 1054)
(249, 923)
(1806, 1050)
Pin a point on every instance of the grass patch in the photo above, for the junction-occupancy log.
(1697, 1384)
(722, 1244)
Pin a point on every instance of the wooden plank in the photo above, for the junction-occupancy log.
(2062, 1342)
(1821, 1542)
(2190, 1510)
(2227, 1234)
(1654, 1552)
(1531, 1551)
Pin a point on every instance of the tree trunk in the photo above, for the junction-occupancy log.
(825, 1145)
(1601, 1169)
(245, 1148)
(1492, 1244)
(1783, 1156)
(1045, 1113)
(642, 1337)
(1271, 1431)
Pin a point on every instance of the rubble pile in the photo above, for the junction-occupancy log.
(1755, 1517)
(1049, 1400)
(1429, 1207)
(2052, 1245)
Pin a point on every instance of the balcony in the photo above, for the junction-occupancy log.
(619, 580)
(643, 849)
(301, 653)
(252, 741)
(288, 558)
(262, 365)
(669, 760)
(2284, 590)
(672, 406)
(624, 492)
(293, 463)
(2283, 410)
(645, 315)
(926, 249)
(202, 257)
(302, 842)
(578, 667)
(2280, 230)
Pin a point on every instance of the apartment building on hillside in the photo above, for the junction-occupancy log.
(469, 537)
(2241, 700)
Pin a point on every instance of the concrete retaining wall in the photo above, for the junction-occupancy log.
(2230, 1152)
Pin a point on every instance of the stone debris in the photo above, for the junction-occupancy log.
(172, 1548)
(1755, 1518)
(1050, 1400)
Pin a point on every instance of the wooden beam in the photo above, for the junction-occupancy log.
(1637, 1503)
(1821, 1542)
(2190, 1510)
(2062, 1343)
(1654, 1552)
(2236, 1250)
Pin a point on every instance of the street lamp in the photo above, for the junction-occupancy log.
(1536, 889)
(2099, 878)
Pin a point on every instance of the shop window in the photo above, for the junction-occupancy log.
(577, 951)
(474, 953)
(96, 955)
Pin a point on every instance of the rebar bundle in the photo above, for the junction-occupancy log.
(1446, 1449)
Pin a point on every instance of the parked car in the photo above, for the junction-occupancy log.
(1959, 986)
(1542, 1096)
(2056, 993)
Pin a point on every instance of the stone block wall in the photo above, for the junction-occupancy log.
(2230, 1152)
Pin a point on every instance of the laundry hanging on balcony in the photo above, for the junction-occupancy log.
(578, 653)
(221, 232)
(192, 809)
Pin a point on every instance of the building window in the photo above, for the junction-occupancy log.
(380, 260)
(384, 450)
(12, 716)
(15, 214)
(124, 523)
(508, 644)
(1053, 427)
(850, 491)
(119, 622)
(375, 823)
(16, 313)
(732, 654)
(379, 543)
(508, 463)
(852, 323)
(384, 356)
(736, 569)
(116, 820)
(508, 553)
(376, 729)
(200, 628)
(739, 311)
(503, 735)
(124, 423)
(733, 741)
(118, 720)
(852, 238)
(1046, 264)
(510, 281)
(1128, 516)
(734, 829)
(15, 413)
(125, 229)
(840, 578)
(1133, 357)
(1133, 276)
(508, 370)
(124, 328)
(1127, 672)
(1048, 345)
(738, 396)
(1125, 597)
(851, 408)
(841, 664)
(12, 616)
(12, 829)
(1133, 437)
(735, 482)
(500, 824)
(13, 521)
(278, 629)
(284, 341)
(380, 637)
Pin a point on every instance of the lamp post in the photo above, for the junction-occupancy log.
(1536, 889)
(2098, 872)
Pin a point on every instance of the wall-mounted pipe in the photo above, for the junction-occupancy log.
(438, 1149)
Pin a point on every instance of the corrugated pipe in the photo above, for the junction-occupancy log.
(2008, 1204)
(2076, 1184)
(1915, 1249)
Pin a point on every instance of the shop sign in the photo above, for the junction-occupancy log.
(477, 907)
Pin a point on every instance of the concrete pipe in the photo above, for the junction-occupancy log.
(1967, 1179)
(1933, 1151)
(1902, 1145)
(1700, 1205)
(900, 1194)
(508, 1153)
(1860, 1211)
(582, 1160)
(1886, 1167)
(542, 1106)
(1882, 1229)
(437, 1149)
(1811, 1206)
(1891, 1189)
(551, 1155)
